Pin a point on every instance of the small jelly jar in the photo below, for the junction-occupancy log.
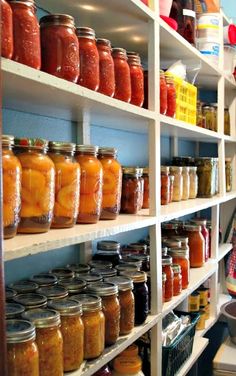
(171, 96)
(167, 269)
(146, 188)
(163, 93)
(165, 185)
(122, 75)
(177, 289)
(6, 30)
(106, 68)
(132, 190)
(137, 79)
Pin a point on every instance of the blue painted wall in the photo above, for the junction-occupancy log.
(229, 7)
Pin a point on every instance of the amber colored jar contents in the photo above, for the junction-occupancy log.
(196, 246)
(122, 75)
(67, 184)
(11, 177)
(172, 180)
(180, 256)
(167, 269)
(194, 302)
(177, 279)
(6, 30)
(26, 33)
(132, 190)
(165, 185)
(226, 122)
(163, 93)
(171, 96)
(178, 182)
(90, 184)
(106, 68)
(146, 188)
(137, 79)
(163, 286)
(60, 46)
(193, 182)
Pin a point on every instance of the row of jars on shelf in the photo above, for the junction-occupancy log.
(207, 117)
(74, 54)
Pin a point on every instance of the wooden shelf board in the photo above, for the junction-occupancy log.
(199, 346)
(224, 249)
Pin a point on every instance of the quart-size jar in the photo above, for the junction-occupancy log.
(171, 96)
(163, 286)
(146, 188)
(89, 58)
(122, 75)
(108, 250)
(72, 330)
(14, 311)
(226, 122)
(11, 176)
(206, 177)
(177, 286)
(26, 33)
(44, 279)
(167, 269)
(186, 183)
(165, 185)
(193, 182)
(31, 300)
(112, 183)
(205, 233)
(73, 285)
(22, 351)
(178, 182)
(228, 174)
(53, 292)
(90, 184)
(132, 190)
(196, 245)
(60, 46)
(180, 256)
(67, 184)
(210, 114)
(24, 286)
(106, 68)
(163, 93)
(6, 30)
(137, 79)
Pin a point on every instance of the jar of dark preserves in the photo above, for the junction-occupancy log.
(169, 229)
(7, 30)
(106, 68)
(183, 12)
(108, 250)
(137, 79)
(122, 75)
(132, 190)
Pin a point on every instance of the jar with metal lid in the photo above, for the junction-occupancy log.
(193, 189)
(128, 260)
(126, 267)
(183, 241)
(73, 285)
(72, 330)
(169, 229)
(38, 185)
(24, 286)
(228, 174)
(226, 122)
(10, 294)
(171, 243)
(7, 30)
(172, 180)
(210, 114)
(194, 302)
(100, 264)
(145, 188)
(108, 250)
(49, 340)
(135, 248)
(44, 279)
(14, 311)
(90, 278)
(145, 259)
(104, 272)
(177, 286)
(180, 256)
(53, 292)
(122, 75)
(164, 278)
(128, 363)
(106, 68)
(163, 93)
(79, 268)
(167, 269)
(90, 184)
(137, 78)
(196, 245)
(63, 273)
(204, 292)
(206, 177)
(171, 95)
(22, 351)
(205, 233)
(31, 300)
(186, 183)
(94, 325)
(178, 182)
(165, 185)
(132, 190)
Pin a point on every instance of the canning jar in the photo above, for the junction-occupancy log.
(89, 58)
(145, 260)
(63, 273)
(60, 46)
(128, 363)
(104, 272)
(163, 286)
(169, 285)
(146, 188)
(10, 294)
(22, 351)
(90, 278)
(196, 245)
(128, 266)
(186, 183)
(137, 79)
(26, 33)
(172, 180)
(226, 122)
(79, 268)
(178, 182)
(134, 249)
(53, 292)
(205, 233)
(100, 264)
(72, 330)
(106, 68)
(108, 250)
(165, 185)
(31, 300)
(183, 12)
(163, 93)
(7, 30)
(171, 96)
(194, 302)
(132, 190)
(193, 182)
(73, 285)
(200, 122)
(11, 176)
(180, 256)
(145, 103)
(177, 286)
(112, 183)
(210, 114)
(14, 311)
(24, 286)
(44, 279)
(206, 177)
(90, 184)
(122, 75)
(169, 230)
(228, 174)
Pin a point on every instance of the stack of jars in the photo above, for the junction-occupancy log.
(199, 302)
(167, 95)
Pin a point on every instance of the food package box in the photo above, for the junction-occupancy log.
(207, 6)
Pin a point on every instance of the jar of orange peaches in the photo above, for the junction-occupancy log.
(38, 183)
(11, 187)
(67, 184)
(132, 190)
(90, 184)
(112, 183)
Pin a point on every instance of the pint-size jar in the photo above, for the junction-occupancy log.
(49, 340)
(176, 171)
(11, 177)
(206, 177)
(167, 269)
(90, 184)
(132, 190)
(89, 58)
(106, 68)
(180, 256)
(7, 30)
(177, 287)
(26, 38)
(194, 302)
(129, 260)
(14, 311)
(196, 245)
(193, 182)
(228, 174)
(186, 183)
(108, 250)
(44, 279)
(171, 96)
(205, 233)
(112, 182)
(22, 351)
(122, 75)
(163, 93)
(203, 291)
(163, 286)
(137, 79)
(146, 188)
(67, 184)
(165, 185)
(24, 286)
(60, 46)
(73, 285)
(53, 292)
(72, 330)
(31, 300)
(145, 260)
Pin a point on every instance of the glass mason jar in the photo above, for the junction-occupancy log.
(11, 176)
(7, 30)
(106, 68)
(169, 230)
(90, 184)
(226, 122)
(27, 37)
(104, 272)
(31, 300)
(53, 292)
(132, 190)
(100, 264)
(72, 329)
(44, 279)
(178, 182)
(228, 174)
(193, 182)
(108, 250)
(90, 278)
(24, 286)
(180, 256)
(67, 184)
(135, 248)
(112, 183)
(89, 58)
(165, 185)
(126, 267)
(167, 269)
(206, 177)
(186, 183)
(163, 93)
(210, 114)
(177, 289)
(73, 285)
(196, 245)
(137, 79)
(122, 75)
(38, 185)
(63, 273)
(163, 286)
(146, 188)
(145, 259)
(14, 311)
(171, 96)
(10, 294)
(205, 233)
(79, 268)
(172, 180)
(22, 351)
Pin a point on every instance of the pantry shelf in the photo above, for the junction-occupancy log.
(199, 346)
(230, 139)
(224, 249)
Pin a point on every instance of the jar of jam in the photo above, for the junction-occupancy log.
(163, 286)
(53, 292)
(163, 93)
(11, 176)
(226, 122)
(62, 273)
(73, 285)
(108, 250)
(14, 311)
(90, 184)
(89, 58)
(98, 264)
(177, 289)
(49, 340)
(132, 190)
(24, 286)
(180, 256)
(122, 75)
(165, 185)
(72, 329)
(228, 174)
(31, 300)
(137, 79)
(44, 279)
(106, 68)
(171, 96)
(7, 30)
(105, 273)
(22, 351)
(60, 46)
(172, 180)
(176, 171)
(186, 183)
(205, 233)
(146, 188)
(26, 39)
(193, 182)
(167, 269)
(79, 268)
(196, 245)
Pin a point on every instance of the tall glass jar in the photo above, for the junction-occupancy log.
(165, 185)
(163, 93)
(132, 190)
(206, 177)
(196, 245)
(38, 185)
(169, 285)
(108, 250)
(11, 177)
(210, 114)
(137, 79)
(178, 182)
(177, 286)
(122, 75)
(171, 96)
(186, 183)
(90, 184)
(26, 33)
(228, 174)
(7, 30)
(60, 46)
(146, 188)
(106, 68)
(180, 256)
(226, 122)
(193, 182)
(112, 182)
(67, 184)
(205, 233)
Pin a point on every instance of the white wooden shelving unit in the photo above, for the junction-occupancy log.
(129, 23)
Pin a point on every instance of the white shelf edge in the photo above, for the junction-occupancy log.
(230, 138)
(223, 250)
(199, 346)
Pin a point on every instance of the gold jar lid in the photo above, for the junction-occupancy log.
(103, 42)
(61, 146)
(43, 317)
(18, 331)
(73, 285)
(66, 307)
(136, 276)
(179, 252)
(133, 171)
(31, 300)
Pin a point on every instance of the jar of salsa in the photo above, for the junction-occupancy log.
(163, 93)
(177, 279)
(26, 33)
(132, 190)
(163, 286)
(31, 300)
(67, 184)
(165, 185)
(11, 176)
(60, 46)
(112, 183)
(137, 79)
(6, 30)
(22, 351)
(171, 96)
(205, 233)
(122, 75)
(14, 311)
(38, 184)
(167, 269)
(89, 58)
(180, 256)
(106, 68)
(90, 184)
(108, 250)
(178, 182)
(196, 245)
(146, 188)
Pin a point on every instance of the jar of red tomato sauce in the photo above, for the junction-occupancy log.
(106, 68)
(132, 190)
(163, 93)
(171, 96)
(180, 256)
(205, 233)
(89, 58)
(122, 75)
(169, 285)
(196, 245)
(60, 46)
(177, 279)
(26, 33)
(137, 79)
(7, 30)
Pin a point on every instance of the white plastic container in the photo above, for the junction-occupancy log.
(208, 25)
(209, 48)
(165, 7)
(229, 60)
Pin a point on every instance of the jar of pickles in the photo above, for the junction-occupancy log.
(7, 30)
(226, 122)
(210, 114)
(11, 177)
(163, 93)
(177, 286)
(196, 245)
(137, 79)
(193, 188)
(146, 188)
(169, 285)
(122, 75)
(228, 174)
(106, 68)
(165, 185)
(132, 190)
(176, 171)
(186, 183)
(180, 256)
(206, 177)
